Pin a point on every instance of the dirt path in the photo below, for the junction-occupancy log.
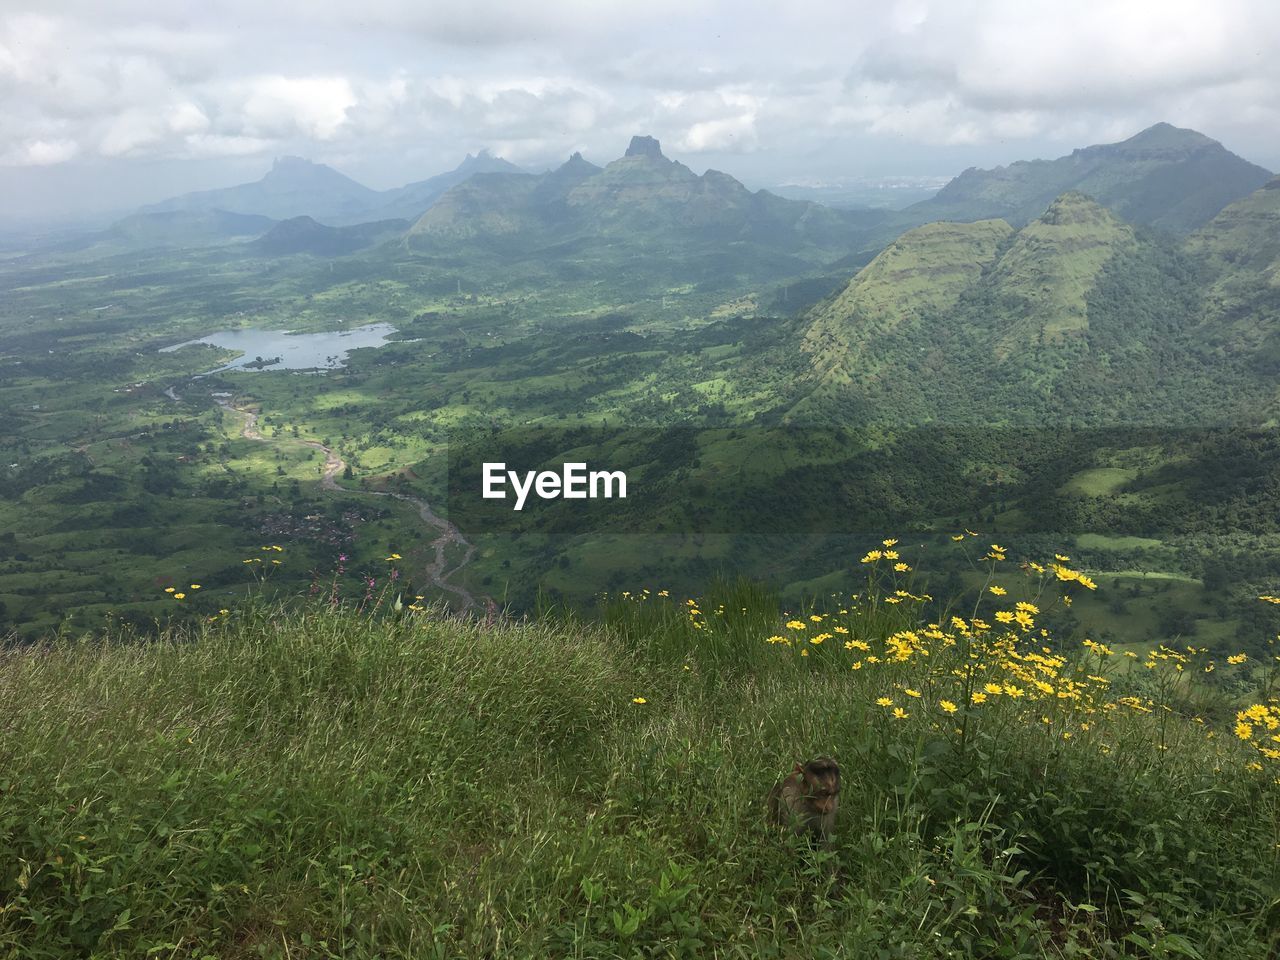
(437, 571)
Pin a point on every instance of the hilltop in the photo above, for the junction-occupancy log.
(356, 782)
(922, 272)
(1164, 176)
(943, 293)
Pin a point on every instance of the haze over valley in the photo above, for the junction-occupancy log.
(1081, 349)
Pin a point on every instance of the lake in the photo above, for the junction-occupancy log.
(291, 351)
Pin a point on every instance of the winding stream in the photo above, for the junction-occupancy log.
(447, 534)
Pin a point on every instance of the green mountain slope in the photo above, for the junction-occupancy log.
(1048, 271)
(1075, 318)
(486, 205)
(1244, 239)
(1241, 250)
(1165, 176)
(923, 271)
(413, 199)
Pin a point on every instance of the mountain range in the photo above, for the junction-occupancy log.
(1165, 177)
(1172, 179)
(641, 198)
(296, 187)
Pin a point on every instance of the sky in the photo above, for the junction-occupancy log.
(107, 104)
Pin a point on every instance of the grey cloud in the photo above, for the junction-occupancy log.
(399, 89)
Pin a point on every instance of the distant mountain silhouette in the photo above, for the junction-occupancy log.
(295, 187)
(1164, 176)
(640, 197)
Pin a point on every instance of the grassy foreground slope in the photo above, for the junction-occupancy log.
(322, 783)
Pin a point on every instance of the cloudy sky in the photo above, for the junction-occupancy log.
(105, 104)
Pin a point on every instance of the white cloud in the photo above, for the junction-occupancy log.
(1007, 68)
(186, 118)
(404, 88)
(725, 135)
(278, 106)
(40, 153)
(219, 145)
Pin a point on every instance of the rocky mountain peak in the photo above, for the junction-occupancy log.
(642, 146)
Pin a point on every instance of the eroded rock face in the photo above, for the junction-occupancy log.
(645, 147)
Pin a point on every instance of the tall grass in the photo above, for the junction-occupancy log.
(316, 783)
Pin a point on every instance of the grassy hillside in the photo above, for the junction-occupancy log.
(1241, 247)
(357, 782)
(924, 270)
(1050, 269)
(1245, 236)
(1075, 319)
